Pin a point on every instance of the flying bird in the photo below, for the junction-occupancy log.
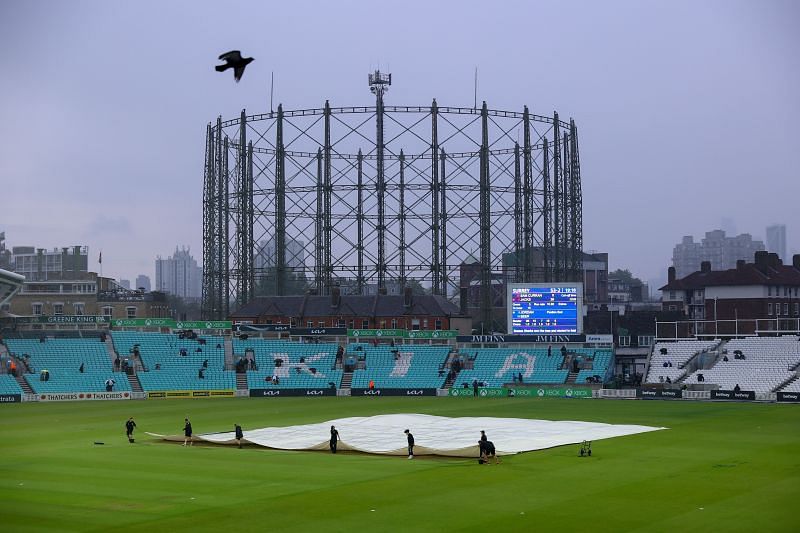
(234, 60)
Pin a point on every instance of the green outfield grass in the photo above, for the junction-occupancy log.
(720, 466)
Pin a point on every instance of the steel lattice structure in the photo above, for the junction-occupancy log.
(364, 197)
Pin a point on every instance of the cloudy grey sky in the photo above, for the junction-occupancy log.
(688, 111)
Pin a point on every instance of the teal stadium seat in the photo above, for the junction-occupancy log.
(497, 366)
(9, 385)
(297, 362)
(412, 366)
(601, 362)
(177, 372)
(62, 358)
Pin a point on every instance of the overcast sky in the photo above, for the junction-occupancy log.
(687, 111)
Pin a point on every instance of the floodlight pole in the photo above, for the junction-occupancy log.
(379, 85)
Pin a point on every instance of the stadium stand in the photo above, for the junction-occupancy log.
(166, 369)
(677, 353)
(404, 366)
(765, 366)
(601, 363)
(62, 359)
(296, 365)
(794, 386)
(8, 385)
(496, 366)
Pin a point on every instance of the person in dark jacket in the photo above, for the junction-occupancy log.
(488, 452)
(482, 447)
(187, 432)
(239, 434)
(130, 425)
(334, 438)
(410, 438)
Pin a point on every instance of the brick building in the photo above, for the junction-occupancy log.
(379, 311)
(760, 296)
(84, 294)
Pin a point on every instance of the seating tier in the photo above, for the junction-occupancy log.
(62, 359)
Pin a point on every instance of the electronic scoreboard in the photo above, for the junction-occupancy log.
(545, 308)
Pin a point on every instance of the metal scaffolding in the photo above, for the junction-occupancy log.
(376, 199)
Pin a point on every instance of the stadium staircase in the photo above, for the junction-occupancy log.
(112, 352)
(450, 381)
(23, 383)
(447, 366)
(347, 380)
(571, 377)
(229, 357)
(686, 357)
(241, 381)
(136, 385)
(785, 383)
(693, 364)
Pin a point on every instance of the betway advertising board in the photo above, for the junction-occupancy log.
(789, 397)
(742, 395)
(77, 396)
(659, 393)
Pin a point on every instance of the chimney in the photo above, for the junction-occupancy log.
(39, 263)
(336, 297)
(762, 260)
(670, 274)
(796, 261)
(408, 297)
(740, 263)
(774, 260)
(77, 260)
(705, 267)
(64, 262)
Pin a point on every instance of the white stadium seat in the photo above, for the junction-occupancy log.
(767, 364)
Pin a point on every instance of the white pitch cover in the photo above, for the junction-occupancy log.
(433, 435)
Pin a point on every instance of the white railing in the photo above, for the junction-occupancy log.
(695, 329)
